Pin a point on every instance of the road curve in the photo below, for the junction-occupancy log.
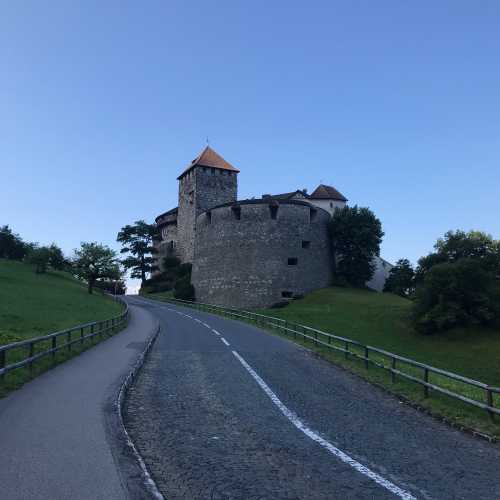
(60, 435)
(222, 410)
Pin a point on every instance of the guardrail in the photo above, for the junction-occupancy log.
(476, 393)
(27, 352)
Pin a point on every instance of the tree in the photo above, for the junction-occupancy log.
(39, 257)
(57, 260)
(356, 235)
(401, 279)
(93, 262)
(11, 244)
(137, 240)
(456, 245)
(453, 294)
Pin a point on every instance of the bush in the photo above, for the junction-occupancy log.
(455, 294)
(183, 288)
(111, 286)
(170, 262)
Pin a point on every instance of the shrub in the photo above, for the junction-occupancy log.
(183, 288)
(455, 294)
(170, 262)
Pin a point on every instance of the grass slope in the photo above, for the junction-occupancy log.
(36, 304)
(382, 320)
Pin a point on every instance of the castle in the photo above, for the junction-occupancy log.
(250, 253)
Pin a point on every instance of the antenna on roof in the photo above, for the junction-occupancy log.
(208, 142)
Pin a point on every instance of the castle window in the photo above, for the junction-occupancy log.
(312, 214)
(331, 204)
(286, 294)
(273, 209)
(213, 171)
(191, 196)
(292, 261)
(236, 212)
(306, 244)
(204, 169)
(209, 217)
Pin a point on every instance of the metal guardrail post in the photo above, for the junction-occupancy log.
(393, 366)
(81, 336)
(366, 357)
(68, 340)
(426, 380)
(346, 350)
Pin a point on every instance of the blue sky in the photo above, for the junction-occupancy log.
(396, 104)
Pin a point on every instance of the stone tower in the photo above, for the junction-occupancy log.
(208, 181)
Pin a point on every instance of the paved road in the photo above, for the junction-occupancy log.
(222, 410)
(60, 437)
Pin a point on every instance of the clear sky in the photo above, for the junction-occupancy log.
(396, 104)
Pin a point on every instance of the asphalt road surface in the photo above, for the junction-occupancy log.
(60, 435)
(222, 410)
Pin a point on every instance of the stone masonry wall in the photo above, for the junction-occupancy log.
(244, 263)
(201, 188)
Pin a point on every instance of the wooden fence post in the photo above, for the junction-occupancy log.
(2, 363)
(489, 398)
(31, 352)
(393, 366)
(426, 380)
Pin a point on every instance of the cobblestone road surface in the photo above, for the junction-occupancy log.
(208, 430)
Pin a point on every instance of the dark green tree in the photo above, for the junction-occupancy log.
(138, 241)
(401, 279)
(458, 293)
(40, 258)
(356, 235)
(456, 245)
(57, 260)
(93, 262)
(11, 244)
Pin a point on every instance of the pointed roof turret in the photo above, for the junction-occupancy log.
(209, 158)
(323, 192)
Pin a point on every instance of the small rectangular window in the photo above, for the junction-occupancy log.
(313, 214)
(273, 209)
(286, 294)
(292, 261)
(306, 244)
(209, 217)
(236, 212)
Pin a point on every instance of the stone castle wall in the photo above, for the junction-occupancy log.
(242, 254)
(200, 189)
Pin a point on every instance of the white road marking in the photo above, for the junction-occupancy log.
(294, 419)
(216, 332)
(225, 341)
(208, 326)
(197, 320)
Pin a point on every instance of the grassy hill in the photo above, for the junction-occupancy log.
(382, 320)
(36, 304)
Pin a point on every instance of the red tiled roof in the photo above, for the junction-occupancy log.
(323, 192)
(209, 158)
